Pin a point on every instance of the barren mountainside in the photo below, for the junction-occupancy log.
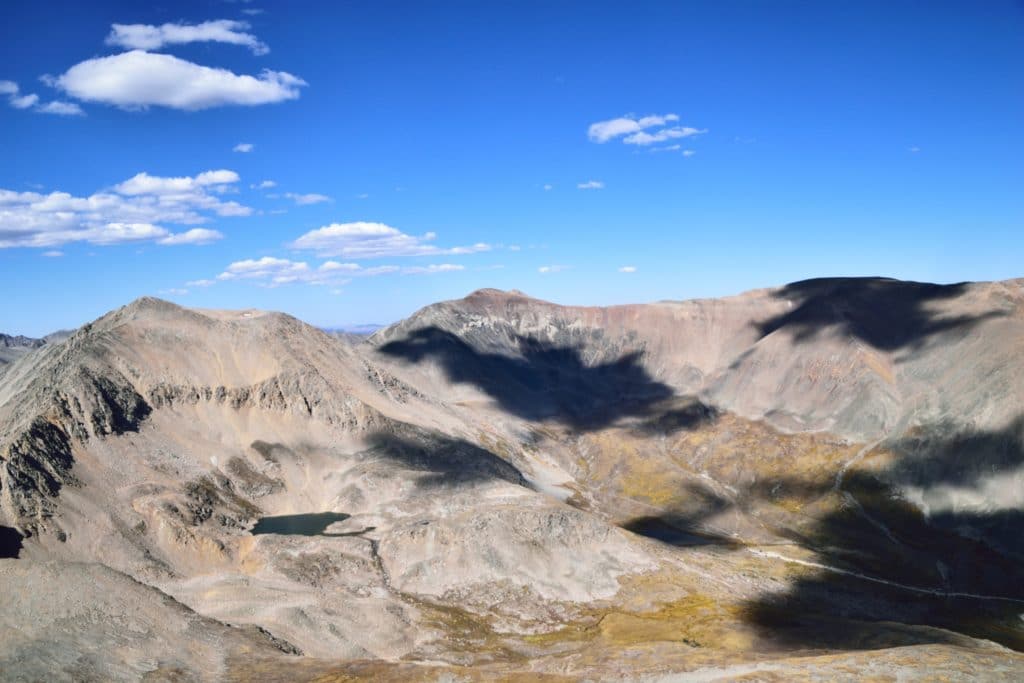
(821, 480)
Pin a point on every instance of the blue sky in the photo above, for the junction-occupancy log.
(423, 150)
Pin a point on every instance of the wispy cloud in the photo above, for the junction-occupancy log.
(31, 101)
(644, 138)
(552, 269)
(276, 271)
(193, 236)
(270, 271)
(143, 183)
(305, 199)
(138, 79)
(23, 101)
(591, 185)
(149, 37)
(603, 131)
(243, 147)
(60, 108)
(640, 130)
(627, 269)
(433, 268)
(362, 240)
(132, 211)
(264, 185)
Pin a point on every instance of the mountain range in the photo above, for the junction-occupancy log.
(823, 480)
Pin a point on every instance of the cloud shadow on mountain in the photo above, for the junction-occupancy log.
(886, 314)
(444, 461)
(542, 381)
(951, 556)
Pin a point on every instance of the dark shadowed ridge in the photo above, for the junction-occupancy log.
(543, 381)
(446, 461)
(889, 315)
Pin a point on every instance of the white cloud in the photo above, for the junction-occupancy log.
(376, 270)
(915, 149)
(471, 249)
(433, 268)
(118, 233)
(24, 101)
(174, 291)
(645, 138)
(244, 147)
(193, 236)
(548, 187)
(334, 265)
(627, 269)
(60, 108)
(149, 37)
(643, 131)
(674, 148)
(264, 185)
(603, 131)
(200, 283)
(305, 199)
(132, 211)
(362, 240)
(53, 253)
(276, 270)
(591, 185)
(552, 269)
(362, 195)
(137, 79)
(31, 101)
(270, 271)
(143, 183)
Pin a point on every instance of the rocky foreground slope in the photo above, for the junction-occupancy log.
(822, 480)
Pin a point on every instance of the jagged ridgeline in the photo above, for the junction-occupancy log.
(825, 478)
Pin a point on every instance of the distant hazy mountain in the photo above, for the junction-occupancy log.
(13, 347)
(822, 479)
(355, 330)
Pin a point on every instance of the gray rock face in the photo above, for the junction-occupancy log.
(650, 490)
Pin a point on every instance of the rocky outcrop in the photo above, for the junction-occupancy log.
(34, 467)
